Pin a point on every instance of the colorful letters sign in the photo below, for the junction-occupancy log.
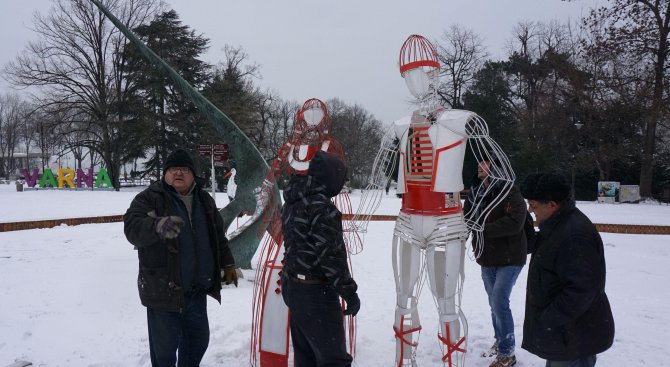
(67, 179)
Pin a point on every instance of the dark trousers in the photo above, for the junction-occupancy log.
(317, 325)
(187, 332)
(589, 361)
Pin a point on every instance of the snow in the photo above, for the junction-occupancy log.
(68, 294)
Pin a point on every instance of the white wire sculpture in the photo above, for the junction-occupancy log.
(431, 230)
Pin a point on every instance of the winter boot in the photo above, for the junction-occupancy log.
(491, 352)
(504, 361)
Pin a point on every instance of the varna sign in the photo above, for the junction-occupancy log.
(67, 179)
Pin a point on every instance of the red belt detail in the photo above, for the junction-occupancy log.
(421, 200)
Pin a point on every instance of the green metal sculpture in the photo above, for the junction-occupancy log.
(251, 166)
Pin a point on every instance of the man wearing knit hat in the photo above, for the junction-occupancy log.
(568, 318)
(181, 244)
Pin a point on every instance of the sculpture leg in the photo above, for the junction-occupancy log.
(272, 329)
(445, 265)
(407, 269)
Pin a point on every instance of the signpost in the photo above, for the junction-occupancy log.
(218, 154)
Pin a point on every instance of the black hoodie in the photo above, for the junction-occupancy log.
(312, 225)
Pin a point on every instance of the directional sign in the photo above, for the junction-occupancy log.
(221, 151)
(204, 149)
(220, 148)
(220, 160)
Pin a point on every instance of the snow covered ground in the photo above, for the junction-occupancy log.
(68, 295)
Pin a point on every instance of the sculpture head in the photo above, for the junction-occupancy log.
(419, 65)
(312, 120)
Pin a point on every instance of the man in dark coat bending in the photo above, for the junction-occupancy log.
(315, 270)
(568, 317)
(181, 244)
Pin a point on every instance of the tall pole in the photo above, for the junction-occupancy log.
(211, 156)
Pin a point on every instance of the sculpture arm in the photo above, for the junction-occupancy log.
(382, 170)
(501, 175)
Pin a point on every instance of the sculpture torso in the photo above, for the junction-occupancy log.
(431, 162)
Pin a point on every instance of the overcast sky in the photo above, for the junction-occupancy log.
(324, 49)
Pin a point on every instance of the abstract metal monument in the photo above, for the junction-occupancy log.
(252, 168)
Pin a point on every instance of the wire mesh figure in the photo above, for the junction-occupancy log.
(270, 326)
(431, 231)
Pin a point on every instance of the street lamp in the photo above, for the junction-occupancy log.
(578, 124)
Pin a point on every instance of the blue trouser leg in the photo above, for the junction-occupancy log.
(317, 325)
(589, 361)
(187, 332)
(164, 333)
(498, 283)
(195, 334)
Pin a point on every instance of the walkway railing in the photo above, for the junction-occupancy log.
(50, 223)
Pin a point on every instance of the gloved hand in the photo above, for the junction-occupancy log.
(353, 304)
(229, 275)
(169, 227)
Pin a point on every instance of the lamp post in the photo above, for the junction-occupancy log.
(578, 124)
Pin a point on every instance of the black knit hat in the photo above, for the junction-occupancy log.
(549, 186)
(179, 158)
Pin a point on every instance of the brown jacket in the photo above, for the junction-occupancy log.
(504, 237)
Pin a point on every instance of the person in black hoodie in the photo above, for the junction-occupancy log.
(181, 244)
(502, 254)
(568, 317)
(315, 269)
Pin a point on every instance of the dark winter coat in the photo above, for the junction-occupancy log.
(312, 227)
(161, 261)
(568, 315)
(504, 239)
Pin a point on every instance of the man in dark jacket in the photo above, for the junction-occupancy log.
(315, 271)
(181, 244)
(502, 254)
(568, 317)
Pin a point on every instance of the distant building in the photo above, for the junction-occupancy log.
(13, 168)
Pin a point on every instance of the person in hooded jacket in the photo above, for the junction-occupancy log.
(178, 232)
(568, 317)
(315, 272)
(503, 254)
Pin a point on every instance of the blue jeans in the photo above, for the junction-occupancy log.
(589, 361)
(498, 282)
(187, 331)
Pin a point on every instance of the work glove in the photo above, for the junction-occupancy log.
(229, 275)
(353, 304)
(169, 227)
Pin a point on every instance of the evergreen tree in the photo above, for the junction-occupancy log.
(165, 119)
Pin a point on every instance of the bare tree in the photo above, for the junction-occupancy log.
(276, 118)
(360, 134)
(461, 53)
(12, 116)
(534, 49)
(76, 64)
(640, 29)
(232, 90)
